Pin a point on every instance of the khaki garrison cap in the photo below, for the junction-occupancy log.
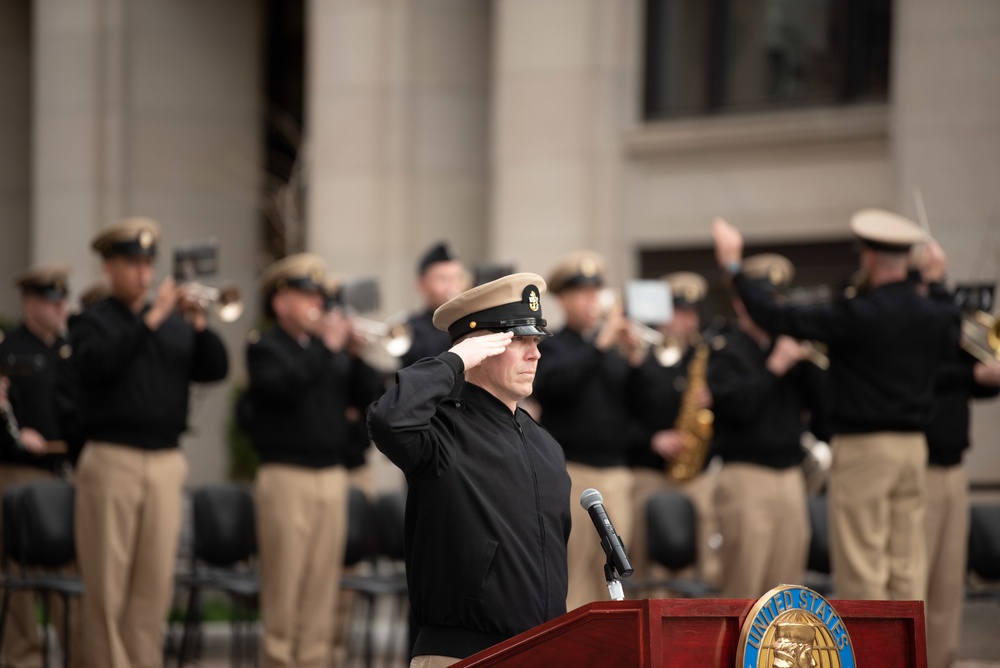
(49, 281)
(302, 271)
(132, 236)
(509, 304)
(579, 269)
(686, 287)
(886, 231)
(776, 269)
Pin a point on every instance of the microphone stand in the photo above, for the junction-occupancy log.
(614, 584)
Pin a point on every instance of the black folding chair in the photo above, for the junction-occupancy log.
(38, 538)
(984, 552)
(672, 530)
(225, 540)
(375, 535)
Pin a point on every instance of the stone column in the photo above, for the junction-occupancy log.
(397, 130)
(15, 148)
(565, 88)
(152, 108)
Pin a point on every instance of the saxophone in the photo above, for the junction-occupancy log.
(694, 424)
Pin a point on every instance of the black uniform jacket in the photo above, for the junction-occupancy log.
(428, 340)
(948, 432)
(32, 395)
(299, 396)
(759, 417)
(134, 382)
(583, 391)
(487, 511)
(885, 346)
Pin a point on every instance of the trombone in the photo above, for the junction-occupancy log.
(395, 338)
(981, 336)
(227, 301)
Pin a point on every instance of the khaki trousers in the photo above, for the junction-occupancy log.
(128, 521)
(432, 661)
(22, 646)
(301, 534)
(877, 513)
(765, 528)
(586, 556)
(947, 552)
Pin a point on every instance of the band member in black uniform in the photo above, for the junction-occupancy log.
(885, 346)
(959, 379)
(302, 383)
(660, 384)
(135, 361)
(581, 388)
(487, 511)
(761, 388)
(32, 446)
(440, 277)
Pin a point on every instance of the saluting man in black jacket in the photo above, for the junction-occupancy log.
(135, 362)
(302, 384)
(487, 511)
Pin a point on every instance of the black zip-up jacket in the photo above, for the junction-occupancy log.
(32, 395)
(948, 431)
(134, 383)
(758, 415)
(487, 510)
(582, 391)
(885, 346)
(299, 397)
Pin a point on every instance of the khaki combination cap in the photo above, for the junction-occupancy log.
(301, 271)
(132, 236)
(50, 281)
(686, 287)
(509, 304)
(886, 231)
(776, 270)
(579, 269)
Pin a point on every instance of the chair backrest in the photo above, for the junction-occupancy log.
(41, 521)
(12, 523)
(819, 539)
(361, 528)
(390, 509)
(224, 524)
(672, 528)
(984, 540)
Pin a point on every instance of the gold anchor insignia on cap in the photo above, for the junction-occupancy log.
(58, 285)
(691, 294)
(533, 301)
(316, 274)
(145, 239)
(588, 267)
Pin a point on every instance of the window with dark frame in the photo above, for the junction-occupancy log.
(715, 56)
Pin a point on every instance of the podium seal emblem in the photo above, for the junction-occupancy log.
(794, 627)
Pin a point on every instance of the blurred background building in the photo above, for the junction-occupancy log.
(365, 130)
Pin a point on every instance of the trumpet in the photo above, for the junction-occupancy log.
(667, 350)
(394, 337)
(981, 336)
(227, 301)
(815, 355)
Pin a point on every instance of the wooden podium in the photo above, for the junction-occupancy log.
(695, 633)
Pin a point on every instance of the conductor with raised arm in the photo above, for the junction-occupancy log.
(885, 345)
(487, 510)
